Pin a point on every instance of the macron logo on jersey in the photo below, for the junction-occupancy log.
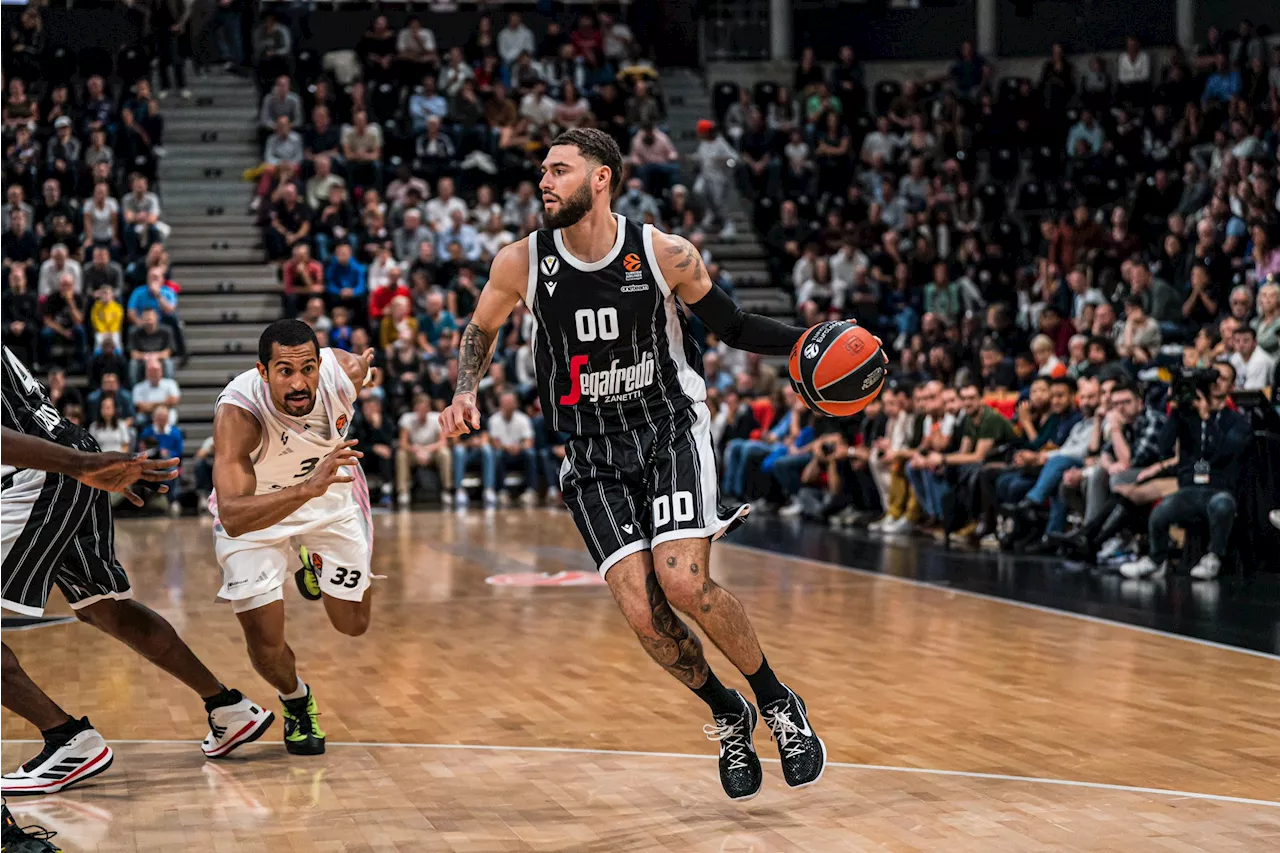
(615, 385)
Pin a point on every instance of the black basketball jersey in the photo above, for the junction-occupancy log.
(612, 348)
(27, 407)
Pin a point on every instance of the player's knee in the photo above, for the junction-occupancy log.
(686, 592)
(353, 625)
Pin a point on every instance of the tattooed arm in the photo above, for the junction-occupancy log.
(508, 278)
(681, 266)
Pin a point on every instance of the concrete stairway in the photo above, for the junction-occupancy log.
(742, 255)
(229, 292)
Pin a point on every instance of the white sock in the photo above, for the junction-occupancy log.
(298, 692)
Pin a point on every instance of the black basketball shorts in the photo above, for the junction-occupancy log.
(633, 490)
(56, 529)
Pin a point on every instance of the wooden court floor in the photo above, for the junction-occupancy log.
(505, 717)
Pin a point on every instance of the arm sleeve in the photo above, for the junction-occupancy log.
(737, 328)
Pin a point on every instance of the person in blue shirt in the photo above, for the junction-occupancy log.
(1013, 485)
(461, 233)
(166, 440)
(741, 455)
(1088, 129)
(1223, 84)
(157, 296)
(436, 321)
(426, 102)
(346, 284)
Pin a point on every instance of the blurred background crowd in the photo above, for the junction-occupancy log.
(1076, 274)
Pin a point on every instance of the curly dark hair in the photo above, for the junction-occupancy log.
(597, 146)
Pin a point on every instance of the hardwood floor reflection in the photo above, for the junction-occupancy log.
(896, 675)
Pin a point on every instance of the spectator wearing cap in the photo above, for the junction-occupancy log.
(62, 154)
(716, 162)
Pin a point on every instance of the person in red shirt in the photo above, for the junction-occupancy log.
(381, 298)
(303, 279)
(587, 38)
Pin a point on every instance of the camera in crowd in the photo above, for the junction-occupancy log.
(1188, 381)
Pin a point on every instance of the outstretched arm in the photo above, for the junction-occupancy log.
(508, 278)
(681, 266)
(110, 472)
(236, 433)
(359, 368)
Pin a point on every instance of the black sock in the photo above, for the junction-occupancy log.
(720, 699)
(226, 697)
(60, 734)
(765, 684)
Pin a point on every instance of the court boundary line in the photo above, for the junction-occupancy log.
(1026, 605)
(844, 765)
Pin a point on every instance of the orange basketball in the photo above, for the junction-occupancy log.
(838, 367)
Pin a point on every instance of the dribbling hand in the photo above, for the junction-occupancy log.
(461, 417)
(117, 472)
(333, 469)
(370, 372)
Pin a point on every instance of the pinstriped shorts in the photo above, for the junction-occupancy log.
(633, 490)
(56, 529)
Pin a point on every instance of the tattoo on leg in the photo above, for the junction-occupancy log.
(677, 649)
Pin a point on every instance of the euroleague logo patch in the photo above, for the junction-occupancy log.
(341, 424)
(550, 264)
(631, 263)
(811, 351)
(317, 562)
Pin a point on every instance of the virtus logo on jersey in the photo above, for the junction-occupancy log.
(615, 385)
(550, 264)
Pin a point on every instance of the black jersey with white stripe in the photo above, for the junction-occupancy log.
(27, 407)
(612, 348)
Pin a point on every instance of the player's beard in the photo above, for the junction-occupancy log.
(298, 406)
(571, 210)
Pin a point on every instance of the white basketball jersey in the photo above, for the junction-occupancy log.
(292, 447)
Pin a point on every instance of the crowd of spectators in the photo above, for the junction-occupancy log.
(384, 200)
(1043, 258)
(86, 283)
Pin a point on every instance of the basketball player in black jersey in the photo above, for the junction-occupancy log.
(619, 371)
(56, 527)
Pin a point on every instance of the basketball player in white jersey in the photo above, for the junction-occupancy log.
(287, 481)
(619, 370)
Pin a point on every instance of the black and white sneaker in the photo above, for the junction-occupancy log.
(82, 756)
(804, 755)
(740, 771)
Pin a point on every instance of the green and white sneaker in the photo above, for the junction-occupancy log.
(308, 577)
(302, 732)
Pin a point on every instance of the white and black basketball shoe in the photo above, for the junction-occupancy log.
(235, 724)
(740, 771)
(61, 765)
(804, 755)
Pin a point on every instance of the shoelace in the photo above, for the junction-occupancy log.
(302, 720)
(732, 737)
(784, 729)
